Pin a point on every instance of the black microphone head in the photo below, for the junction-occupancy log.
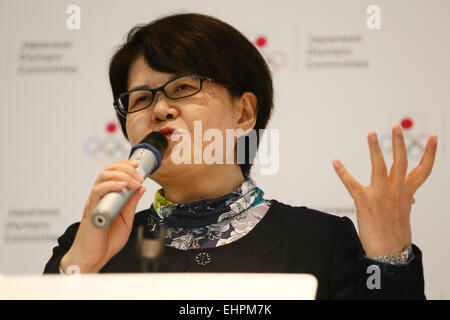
(158, 140)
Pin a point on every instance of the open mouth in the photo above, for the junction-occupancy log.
(169, 133)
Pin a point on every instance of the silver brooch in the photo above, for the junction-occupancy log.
(203, 258)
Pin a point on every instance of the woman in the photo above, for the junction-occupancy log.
(186, 68)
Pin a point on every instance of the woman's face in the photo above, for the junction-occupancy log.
(213, 106)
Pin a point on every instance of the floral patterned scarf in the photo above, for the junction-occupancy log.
(211, 222)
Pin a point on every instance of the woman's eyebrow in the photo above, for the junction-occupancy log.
(140, 87)
(145, 86)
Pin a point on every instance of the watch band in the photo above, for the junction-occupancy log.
(398, 258)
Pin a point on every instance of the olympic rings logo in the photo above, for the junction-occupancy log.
(107, 149)
(276, 59)
(415, 145)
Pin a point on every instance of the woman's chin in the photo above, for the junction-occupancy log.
(170, 170)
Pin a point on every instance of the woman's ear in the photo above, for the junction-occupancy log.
(247, 109)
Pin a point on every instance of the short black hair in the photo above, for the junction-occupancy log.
(198, 44)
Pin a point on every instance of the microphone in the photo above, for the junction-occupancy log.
(148, 153)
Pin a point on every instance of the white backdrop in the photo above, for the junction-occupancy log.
(335, 81)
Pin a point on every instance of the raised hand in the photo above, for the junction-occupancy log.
(384, 207)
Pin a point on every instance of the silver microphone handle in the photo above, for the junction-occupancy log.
(112, 203)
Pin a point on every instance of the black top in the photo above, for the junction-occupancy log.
(287, 240)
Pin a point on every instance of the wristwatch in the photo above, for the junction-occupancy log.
(398, 258)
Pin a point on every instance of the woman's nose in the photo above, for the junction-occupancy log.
(163, 110)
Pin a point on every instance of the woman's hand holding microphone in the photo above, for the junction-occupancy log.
(93, 247)
(96, 243)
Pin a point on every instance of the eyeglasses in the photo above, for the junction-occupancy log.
(181, 87)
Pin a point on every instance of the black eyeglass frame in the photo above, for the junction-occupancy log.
(162, 89)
